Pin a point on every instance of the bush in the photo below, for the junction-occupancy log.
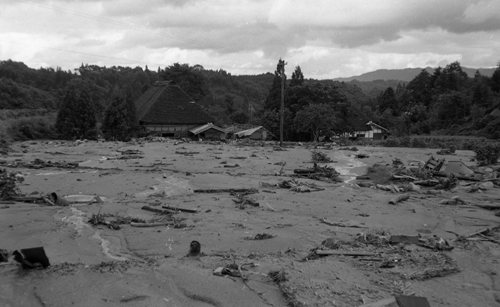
(8, 184)
(4, 143)
(32, 129)
(487, 153)
(320, 157)
(419, 143)
(390, 142)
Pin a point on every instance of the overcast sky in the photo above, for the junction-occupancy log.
(327, 38)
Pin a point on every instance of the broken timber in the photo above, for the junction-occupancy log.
(329, 252)
(134, 224)
(247, 191)
(180, 209)
(156, 210)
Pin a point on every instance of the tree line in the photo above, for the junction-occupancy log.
(92, 99)
(446, 102)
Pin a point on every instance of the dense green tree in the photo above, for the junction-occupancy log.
(273, 99)
(420, 88)
(387, 100)
(495, 79)
(481, 92)
(77, 115)
(451, 78)
(190, 79)
(316, 119)
(229, 102)
(119, 119)
(297, 77)
(239, 118)
(450, 109)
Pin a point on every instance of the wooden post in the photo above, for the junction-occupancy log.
(282, 106)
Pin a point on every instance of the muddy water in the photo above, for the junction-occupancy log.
(348, 166)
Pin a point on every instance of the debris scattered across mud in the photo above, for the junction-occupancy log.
(275, 229)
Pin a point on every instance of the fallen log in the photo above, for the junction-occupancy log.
(180, 209)
(246, 191)
(27, 199)
(488, 206)
(427, 182)
(329, 252)
(482, 231)
(7, 202)
(350, 224)
(460, 177)
(399, 199)
(403, 177)
(134, 224)
(156, 210)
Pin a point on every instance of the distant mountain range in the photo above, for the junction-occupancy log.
(407, 74)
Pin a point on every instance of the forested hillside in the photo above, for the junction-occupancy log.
(446, 101)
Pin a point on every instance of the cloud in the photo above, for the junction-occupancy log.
(327, 38)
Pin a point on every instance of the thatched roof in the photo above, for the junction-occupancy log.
(167, 104)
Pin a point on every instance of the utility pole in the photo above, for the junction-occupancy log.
(282, 106)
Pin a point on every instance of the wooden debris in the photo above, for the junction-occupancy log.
(490, 206)
(39, 163)
(318, 173)
(404, 177)
(328, 252)
(351, 224)
(455, 200)
(399, 199)
(261, 236)
(187, 153)
(156, 210)
(247, 191)
(434, 272)
(180, 209)
(134, 298)
(135, 224)
(482, 231)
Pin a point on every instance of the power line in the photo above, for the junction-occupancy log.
(101, 19)
(103, 56)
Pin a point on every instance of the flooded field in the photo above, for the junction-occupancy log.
(267, 236)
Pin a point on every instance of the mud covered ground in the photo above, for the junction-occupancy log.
(137, 266)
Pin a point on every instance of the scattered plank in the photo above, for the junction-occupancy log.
(247, 191)
(135, 224)
(180, 209)
(329, 252)
(350, 224)
(403, 177)
(482, 231)
(27, 199)
(134, 298)
(489, 206)
(399, 199)
(156, 210)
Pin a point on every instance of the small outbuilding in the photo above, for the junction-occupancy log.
(257, 133)
(209, 132)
